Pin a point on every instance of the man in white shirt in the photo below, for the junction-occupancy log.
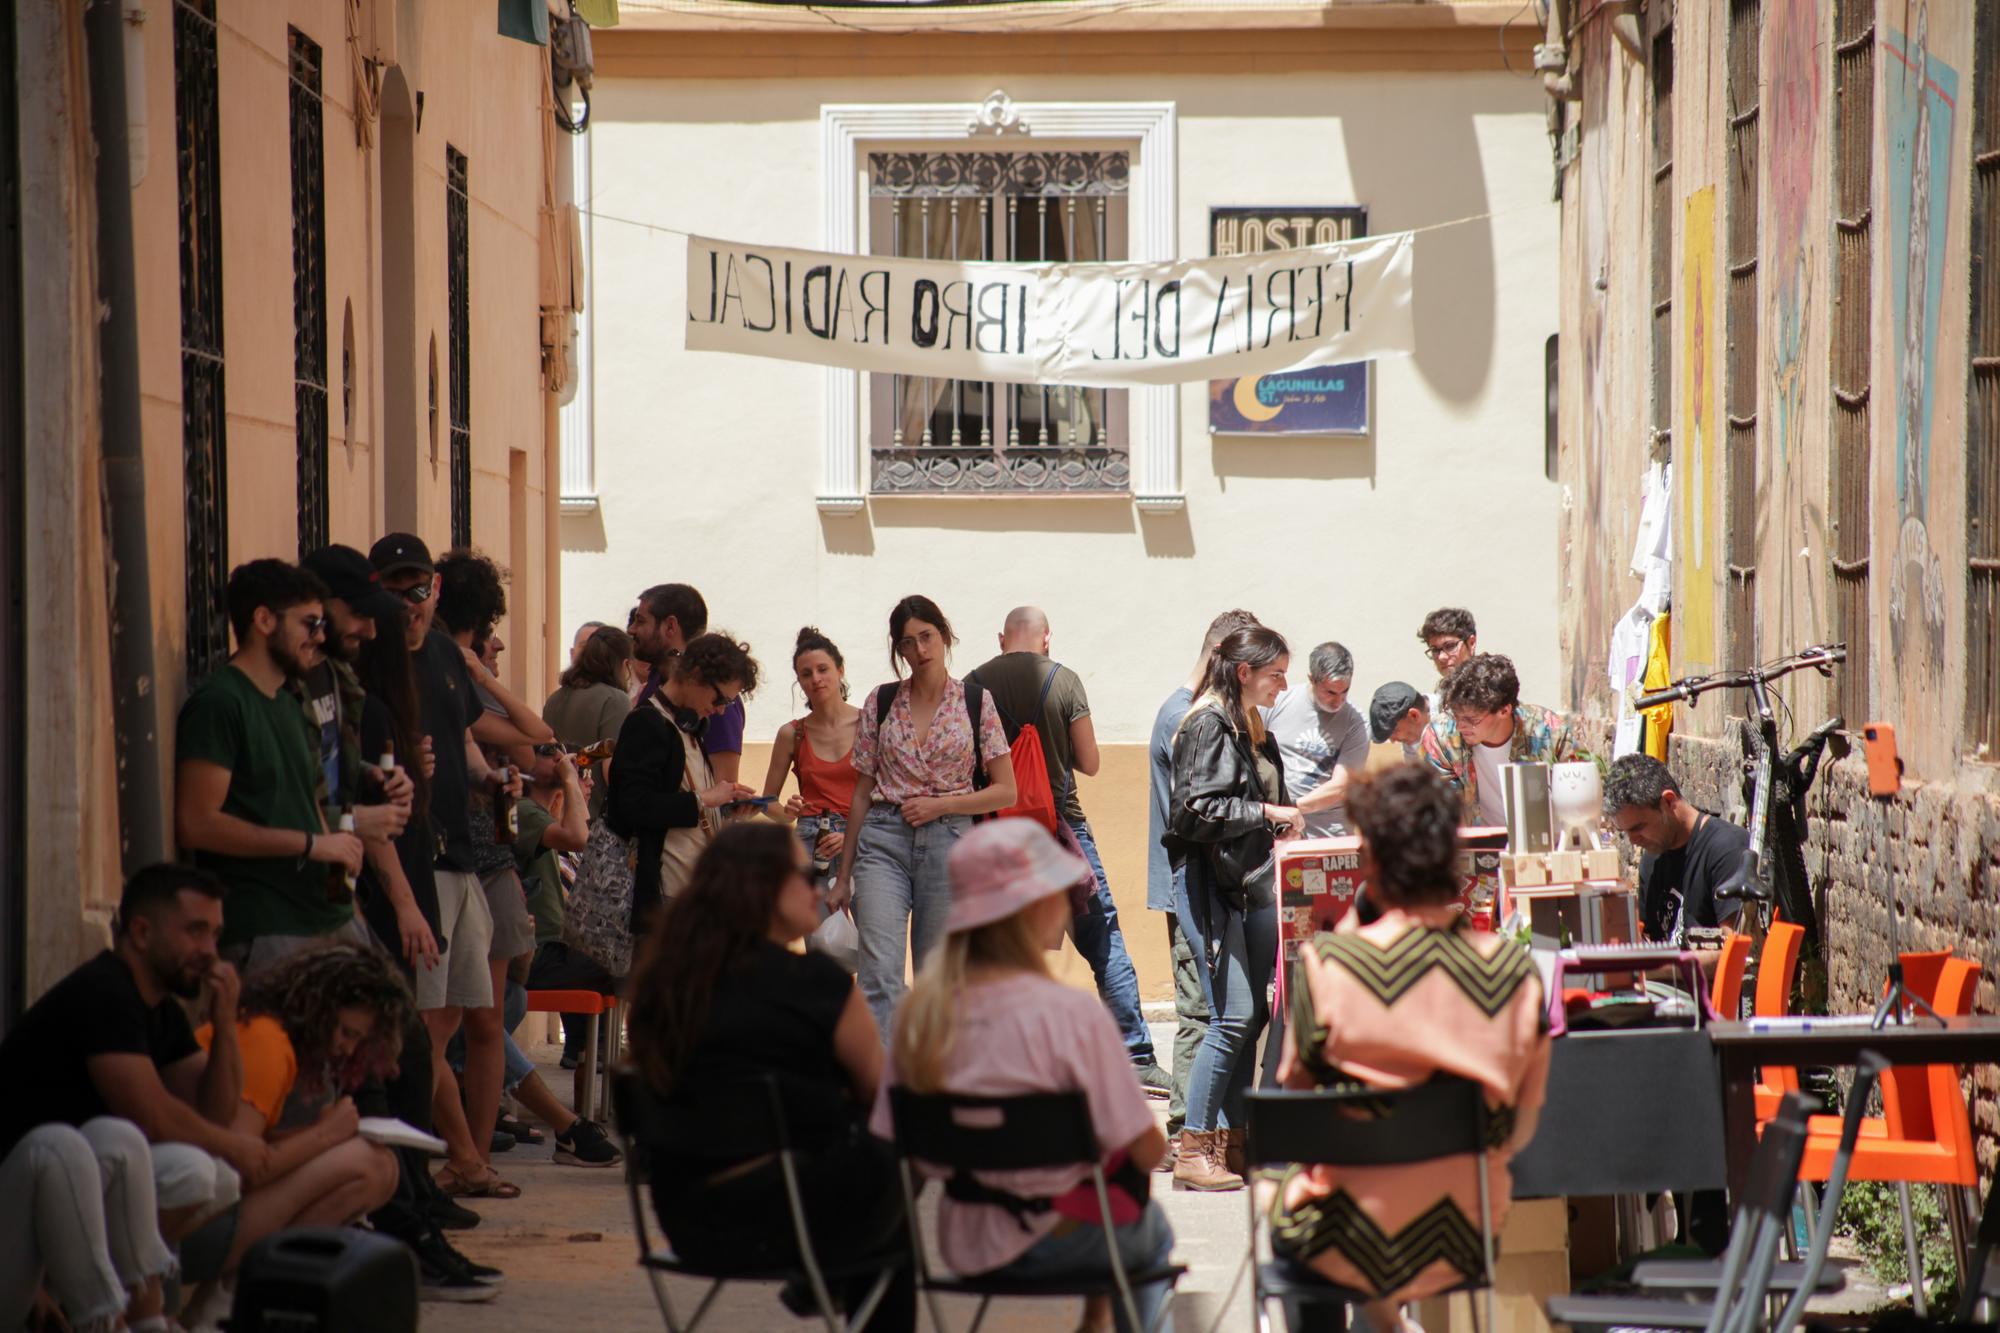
(1323, 739)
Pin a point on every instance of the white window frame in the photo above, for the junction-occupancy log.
(1149, 128)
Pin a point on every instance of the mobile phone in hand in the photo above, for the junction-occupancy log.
(758, 802)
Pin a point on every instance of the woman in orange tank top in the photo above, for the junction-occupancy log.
(819, 748)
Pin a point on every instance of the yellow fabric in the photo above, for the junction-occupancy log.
(270, 1065)
(1659, 675)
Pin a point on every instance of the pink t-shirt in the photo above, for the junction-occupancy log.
(942, 765)
(1016, 1035)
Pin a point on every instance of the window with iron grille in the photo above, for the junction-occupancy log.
(938, 436)
(1746, 22)
(1853, 264)
(309, 390)
(459, 342)
(1982, 436)
(204, 420)
(1662, 266)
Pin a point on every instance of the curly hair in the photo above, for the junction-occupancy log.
(472, 592)
(715, 659)
(1448, 621)
(1483, 684)
(1638, 780)
(1408, 817)
(306, 993)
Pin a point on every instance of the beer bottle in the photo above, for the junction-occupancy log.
(339, 879)
(506, 819)
(387, 766)
(593, 754)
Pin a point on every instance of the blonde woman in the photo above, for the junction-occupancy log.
(985, 1018)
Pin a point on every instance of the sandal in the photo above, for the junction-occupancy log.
(519, 1130)
(485, 1184)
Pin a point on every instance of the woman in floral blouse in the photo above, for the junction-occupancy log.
(921, 780)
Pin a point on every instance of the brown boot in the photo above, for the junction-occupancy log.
(1173, 1153)
(1232, 1150)
(1200, 1165)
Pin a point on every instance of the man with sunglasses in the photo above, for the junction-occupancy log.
(247, 776)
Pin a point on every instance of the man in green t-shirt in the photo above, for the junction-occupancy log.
(247, 772)
(554, 819)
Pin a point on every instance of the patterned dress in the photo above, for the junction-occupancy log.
(1392, 1004)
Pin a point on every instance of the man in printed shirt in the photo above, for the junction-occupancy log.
(1482, 725)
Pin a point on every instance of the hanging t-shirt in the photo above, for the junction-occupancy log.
(1486, 761)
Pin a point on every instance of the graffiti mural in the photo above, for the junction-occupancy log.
(1922, 99)
(1699, 440)
(1793, 99)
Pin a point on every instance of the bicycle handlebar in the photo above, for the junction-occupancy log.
(1821, 657)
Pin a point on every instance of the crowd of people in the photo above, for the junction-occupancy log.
(387, 848)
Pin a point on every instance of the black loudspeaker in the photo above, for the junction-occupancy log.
(326, 1280)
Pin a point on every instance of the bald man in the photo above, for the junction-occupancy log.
(1030, 689)
(583, 633)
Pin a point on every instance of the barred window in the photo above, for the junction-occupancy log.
(1746, 23)
(938, 436)
(309, 360)
(204, 419)
(1982, 436)
(1854, 263)
(458, 339)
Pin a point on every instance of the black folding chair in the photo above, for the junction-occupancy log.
(629, 1101)
(1361, 1127)
(1027, 1133)
(1747, 1265)
(1982, 1281)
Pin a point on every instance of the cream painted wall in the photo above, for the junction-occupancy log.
(706, 465)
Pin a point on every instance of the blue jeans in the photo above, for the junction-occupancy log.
(1146, 1243)
(811, 828)
(902, 897)
(1102, 944)
(1236, 967)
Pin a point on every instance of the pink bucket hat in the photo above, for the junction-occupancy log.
(1002, 866)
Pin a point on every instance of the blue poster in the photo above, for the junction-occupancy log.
(1326, 400)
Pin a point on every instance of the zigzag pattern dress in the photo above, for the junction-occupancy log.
(1389, 1005)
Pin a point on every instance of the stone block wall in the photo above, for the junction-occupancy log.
(1940, 846)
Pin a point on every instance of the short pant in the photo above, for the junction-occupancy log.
(507, 903)
(462, 979)
(255, 955)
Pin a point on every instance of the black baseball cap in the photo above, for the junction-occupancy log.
(349, 576)
(400, 552)
(1391, 704)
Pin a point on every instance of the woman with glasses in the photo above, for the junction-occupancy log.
(929, 754)
(662, 791)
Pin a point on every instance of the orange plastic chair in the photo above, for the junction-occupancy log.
(1928, 1128)
(1775, 971)
(591, 1003)
(1906, 1088)
(1725, 992)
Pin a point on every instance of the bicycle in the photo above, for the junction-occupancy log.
(1775, 789)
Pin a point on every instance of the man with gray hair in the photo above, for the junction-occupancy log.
(1323, 739)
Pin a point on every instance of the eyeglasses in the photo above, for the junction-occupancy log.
(313, 625)
(416, 594)
(724, 700)
(1445, 649)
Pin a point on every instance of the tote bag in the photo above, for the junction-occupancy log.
(598, 919)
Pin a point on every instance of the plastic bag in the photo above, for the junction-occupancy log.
(839, 940)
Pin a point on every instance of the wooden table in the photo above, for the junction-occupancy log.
(1743, 1047)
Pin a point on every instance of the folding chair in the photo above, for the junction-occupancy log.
(1027, 1133)
(1761, 1217)
(630, 1103)
(1980, 1283)
(1445, 1117)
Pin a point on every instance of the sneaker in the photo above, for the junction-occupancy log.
(1155, 1081)
(449, 1213)
(584, 1143)
(445, 1276)
(569, 1061)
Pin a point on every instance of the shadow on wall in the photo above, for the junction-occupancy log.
(583, 532)
(1295, 457)
(1006, 514)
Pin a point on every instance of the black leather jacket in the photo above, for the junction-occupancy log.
(1215, 809)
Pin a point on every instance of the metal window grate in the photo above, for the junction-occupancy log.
(309, 359)
(459, 352)
(1746, 18)
(204, 420)
(1854, 258)
(964, 436)
(1663, 234)
(1982, 437)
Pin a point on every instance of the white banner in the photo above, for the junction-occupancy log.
(1106, 325)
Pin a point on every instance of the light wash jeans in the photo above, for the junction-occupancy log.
(1097, 937)
(1146, 1243)
(902, 896)
(1236, 967)
(90, 1223)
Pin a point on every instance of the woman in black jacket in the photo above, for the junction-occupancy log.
(662, 791)
(1228, 808)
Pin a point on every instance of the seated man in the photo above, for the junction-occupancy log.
(1398, 714)
(1687, 853)
(109, 1040)
(1482, 725)
(311, 1027)
(1322, 738)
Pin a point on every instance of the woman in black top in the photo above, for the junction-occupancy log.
(719, 1006)
(662, 791)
